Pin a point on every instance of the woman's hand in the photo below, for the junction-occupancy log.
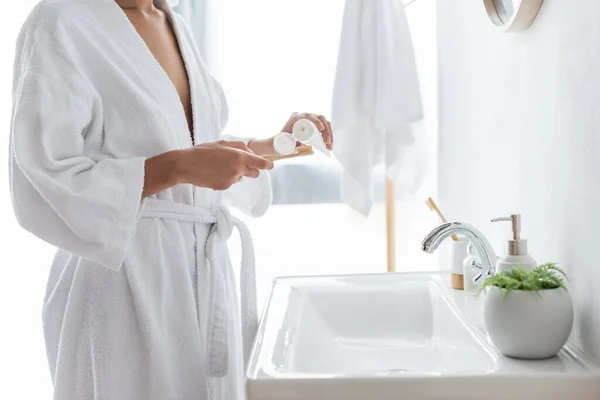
(265, 146)
(216, 166)
(220, 165)
(323, 125)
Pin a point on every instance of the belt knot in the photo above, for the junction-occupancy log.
(224, 222)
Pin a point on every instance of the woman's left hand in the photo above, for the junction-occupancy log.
(263, 147)
(320, 121)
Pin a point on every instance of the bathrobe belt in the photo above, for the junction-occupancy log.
(221, 227)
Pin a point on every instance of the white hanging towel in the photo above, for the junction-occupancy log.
(376, 96)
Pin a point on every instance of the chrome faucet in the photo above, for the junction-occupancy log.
(485, 250)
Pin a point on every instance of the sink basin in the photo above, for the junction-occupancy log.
(343, 330)
(375, 336)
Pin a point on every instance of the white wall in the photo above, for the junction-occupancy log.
(520, 132)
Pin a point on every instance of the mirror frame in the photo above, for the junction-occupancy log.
(525, 13)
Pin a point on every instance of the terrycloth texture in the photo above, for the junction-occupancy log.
(222, 224)
(376, 95)
(131, 297)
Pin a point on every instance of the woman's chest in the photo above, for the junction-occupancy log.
(149, 103)
(162, 42)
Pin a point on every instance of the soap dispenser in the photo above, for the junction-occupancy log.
(517, 256)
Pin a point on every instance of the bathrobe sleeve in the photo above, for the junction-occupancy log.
(85, 205)
(251, 196)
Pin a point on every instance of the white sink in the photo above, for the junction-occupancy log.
(379, 336)
(345, 329)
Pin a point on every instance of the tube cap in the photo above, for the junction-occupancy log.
(304, 130)
(284, 143)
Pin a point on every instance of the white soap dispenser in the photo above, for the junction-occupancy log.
(517, 256)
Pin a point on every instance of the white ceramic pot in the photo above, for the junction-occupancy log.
(527, 325)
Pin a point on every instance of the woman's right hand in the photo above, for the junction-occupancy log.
(219, 165)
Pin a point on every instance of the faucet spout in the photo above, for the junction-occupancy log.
(485, 250)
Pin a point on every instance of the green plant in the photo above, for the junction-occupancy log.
(543, 277)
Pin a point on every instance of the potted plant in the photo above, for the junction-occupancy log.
(528, 314)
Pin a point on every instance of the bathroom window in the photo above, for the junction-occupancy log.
(274, 57)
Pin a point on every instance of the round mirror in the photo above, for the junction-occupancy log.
(513, 15)
(505, 9)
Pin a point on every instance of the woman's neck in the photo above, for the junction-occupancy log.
(140, 5)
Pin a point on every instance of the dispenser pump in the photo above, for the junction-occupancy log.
(516, 246)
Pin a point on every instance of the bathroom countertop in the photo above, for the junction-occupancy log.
(376, 335)
(470, 308)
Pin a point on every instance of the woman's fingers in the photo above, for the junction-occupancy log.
(254, 162)
(251, 173)
(236, 144)
(251, 162)
(315, 120)
(324, 127)
(327, 133)
(330, 145)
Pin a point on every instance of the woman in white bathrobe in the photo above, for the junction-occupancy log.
(130, 186)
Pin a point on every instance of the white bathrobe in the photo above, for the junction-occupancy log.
(141, 300)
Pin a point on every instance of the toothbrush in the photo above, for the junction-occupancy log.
(433, 207)
(299, 152)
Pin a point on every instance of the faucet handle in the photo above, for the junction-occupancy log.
(481, 275)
